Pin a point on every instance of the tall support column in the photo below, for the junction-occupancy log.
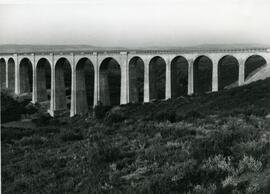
(34, 90)
(190, 76)
(168, 79)
(128, 81)
(7, 73)
(124, 85)
(215, 75)
(146, 97)
(96, 79)
(17, 75)
(52, 104)
(73, 88)
(241, 79)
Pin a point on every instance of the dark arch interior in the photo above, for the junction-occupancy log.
(110, 82)
(253, 64)
(11, 74)
(62, 84)
(202, 75)
(157, 76)
(3, 72)
(179, 77)
(228, 72)
(136, 80)
(43, 80)
(26, 76)
(85, 85)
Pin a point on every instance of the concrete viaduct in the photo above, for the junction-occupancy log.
(15, 68)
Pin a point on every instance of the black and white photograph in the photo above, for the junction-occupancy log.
(135, 96)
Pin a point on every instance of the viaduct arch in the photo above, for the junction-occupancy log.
(78, 81)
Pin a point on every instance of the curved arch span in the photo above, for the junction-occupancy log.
(157, 78)
(179, 76)
(109, 82)
(3, 66)
(62, 84)
(43, 78)
(202, 74)
(253, 64)
(11, 74)
(228, 72)
(26, 76)
(136, 79)
(84, 85)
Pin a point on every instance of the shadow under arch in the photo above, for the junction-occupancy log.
(26, 76)
(62, 84)
(85, 74)
(202, 74)
(228, 72)
(3, 66)
(136, 79)
(109, 82)
(253, 64)
(43, 78)
(157, 78)
(179, 76)
(11, 74)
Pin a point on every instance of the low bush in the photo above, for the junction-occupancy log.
(115, 115)
(70, 134)
(100, 111)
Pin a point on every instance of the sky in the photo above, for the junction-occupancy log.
(135, 23)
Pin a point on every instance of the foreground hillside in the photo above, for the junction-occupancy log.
(215, 143)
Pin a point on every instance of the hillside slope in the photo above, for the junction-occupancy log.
(215, 143)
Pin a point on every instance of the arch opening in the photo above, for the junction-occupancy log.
(179, 77)
(62, 84)
(3, 67)
(26, 76)
(157, 78)
(253, 64)
(84, 85)
(11, 74)
(109, 82)
(228, 72)
(43, 80)
(136, 80)
(202, 75)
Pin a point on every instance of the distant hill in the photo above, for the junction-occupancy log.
(21, 48)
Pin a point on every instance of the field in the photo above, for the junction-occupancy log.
(211, 143)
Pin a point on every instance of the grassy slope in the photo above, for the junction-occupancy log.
(217, 142)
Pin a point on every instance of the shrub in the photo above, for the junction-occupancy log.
(70, 135)
(248, 163)
(100, 111)
(41, 118)
(32, 140)
(193, 114)
(167, 115)
(115, 115)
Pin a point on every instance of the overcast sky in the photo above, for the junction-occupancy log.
(135, 22)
